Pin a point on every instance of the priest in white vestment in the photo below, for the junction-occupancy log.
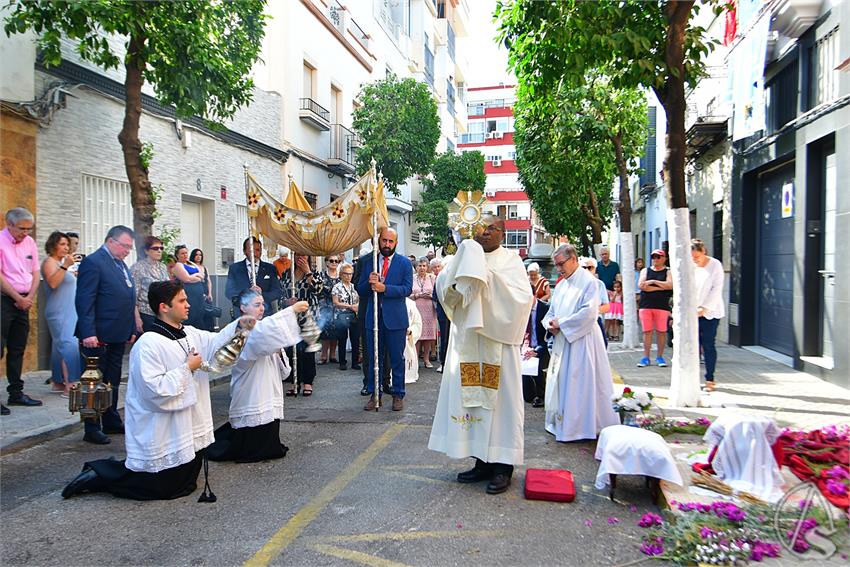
(167, 413)
(485, 293)
(256, 391)
(579, 386)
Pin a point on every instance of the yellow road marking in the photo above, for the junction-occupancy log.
(409, 536)
(305, 516)
(411, 467)
(356, 556)
(419, 478)
(616, 376)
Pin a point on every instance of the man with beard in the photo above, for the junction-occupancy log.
(485, 293)
(579, 385)
(393, 281)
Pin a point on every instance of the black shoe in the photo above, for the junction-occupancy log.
(85, 482)
(364, 392)
(499, 484)
(537, 402)
(343, 366)
(4, 410)
(114, 430)
(356, 367)
(481, 471)
(23, 400)
(96, 437)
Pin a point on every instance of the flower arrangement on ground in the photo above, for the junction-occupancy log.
(665, 426)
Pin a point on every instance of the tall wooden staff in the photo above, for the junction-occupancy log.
(375, 362)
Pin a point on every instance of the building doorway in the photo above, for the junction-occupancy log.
(775, 262)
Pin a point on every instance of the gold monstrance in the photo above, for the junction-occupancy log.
(466, 213)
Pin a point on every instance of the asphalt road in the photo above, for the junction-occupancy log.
(355, 488)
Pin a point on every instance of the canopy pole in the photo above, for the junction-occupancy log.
(375, 361)
(295, 348)
(253, 272)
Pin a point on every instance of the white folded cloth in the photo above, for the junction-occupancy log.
(630, 450)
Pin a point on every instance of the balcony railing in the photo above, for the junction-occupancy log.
(359, 34)
(429, 66)
(344, 144)
(451, 42)
(314, 113)
(336, 14)
(476, 109)
(450, 97)
(474, 138)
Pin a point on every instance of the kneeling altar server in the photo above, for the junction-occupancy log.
(167, 413)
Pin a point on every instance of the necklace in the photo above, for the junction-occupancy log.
(173, 336)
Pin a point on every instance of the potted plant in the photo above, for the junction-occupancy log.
(629, 403)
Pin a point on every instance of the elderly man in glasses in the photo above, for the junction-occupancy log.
(146, 271)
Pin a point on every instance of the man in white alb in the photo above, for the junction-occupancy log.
(579, 385)
(167, 414)
(485, 293)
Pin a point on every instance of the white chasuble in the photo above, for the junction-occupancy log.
(256, 389)
(414, 331)
(579, 385)
(480, 412)
(167, 411)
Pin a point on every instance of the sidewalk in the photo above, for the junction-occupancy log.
(26, 426)
(745, 382)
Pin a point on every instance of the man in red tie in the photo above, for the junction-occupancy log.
(393, 283)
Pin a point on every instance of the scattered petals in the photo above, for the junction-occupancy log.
(588, 523)
(613, 520)
(632, 508)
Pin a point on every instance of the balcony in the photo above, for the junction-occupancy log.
(472, 138)
(429, 66)
(314, 114)
(336, 14)
(344, 144)
(450, 97)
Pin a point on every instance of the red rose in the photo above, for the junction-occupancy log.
(627, 390)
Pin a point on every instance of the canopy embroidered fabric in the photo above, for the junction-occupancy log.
(332, 229)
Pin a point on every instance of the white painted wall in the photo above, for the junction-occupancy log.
(17, 81)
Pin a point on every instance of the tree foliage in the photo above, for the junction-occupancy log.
(450, 173)
(398, 123)
(197, 55)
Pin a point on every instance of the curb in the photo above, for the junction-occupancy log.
(50, 433)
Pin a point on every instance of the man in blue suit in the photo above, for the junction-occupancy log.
(238, 278)
(393, 281)
(105, 301)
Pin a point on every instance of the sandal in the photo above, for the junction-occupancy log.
(291, 393)
(709, 387)
(307, 392)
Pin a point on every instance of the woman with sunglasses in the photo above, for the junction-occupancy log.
(146, 271)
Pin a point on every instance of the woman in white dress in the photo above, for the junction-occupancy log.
(414, 331)
(256, 391)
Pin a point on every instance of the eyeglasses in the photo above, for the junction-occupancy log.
(332, 261)
(122, 245)
(157, 248)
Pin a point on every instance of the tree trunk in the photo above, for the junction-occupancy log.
(627, 252)
(684, 385)
(594, 219)
(140, 186)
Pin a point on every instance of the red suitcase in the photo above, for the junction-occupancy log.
(549, 484)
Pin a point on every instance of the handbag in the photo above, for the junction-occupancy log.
(211, 310)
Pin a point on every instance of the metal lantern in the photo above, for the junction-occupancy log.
(90, 396)
(310, 333)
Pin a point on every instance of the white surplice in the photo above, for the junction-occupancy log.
(414, 331)
(167, 411)
(579, 384)
(256, 390)
(487, 298)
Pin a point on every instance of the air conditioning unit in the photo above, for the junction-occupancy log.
(513, 215)
(489, 135)
(497, 162)
(498, 135)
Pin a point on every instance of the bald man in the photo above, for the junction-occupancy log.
(392, 279)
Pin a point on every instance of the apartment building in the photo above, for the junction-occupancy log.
(490, 130)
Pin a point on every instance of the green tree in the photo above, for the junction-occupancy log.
(398, 123)
(197, 56)
(651, 44)
(450, 173)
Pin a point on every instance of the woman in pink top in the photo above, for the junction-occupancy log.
(423, 289)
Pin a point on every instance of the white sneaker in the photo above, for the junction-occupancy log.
(440, 369)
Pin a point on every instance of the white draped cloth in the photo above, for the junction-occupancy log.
(167, 411)
(256, 390)
(487, 298)
(744, 459)
(630, 450)
(414, 331)
(579, 386)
